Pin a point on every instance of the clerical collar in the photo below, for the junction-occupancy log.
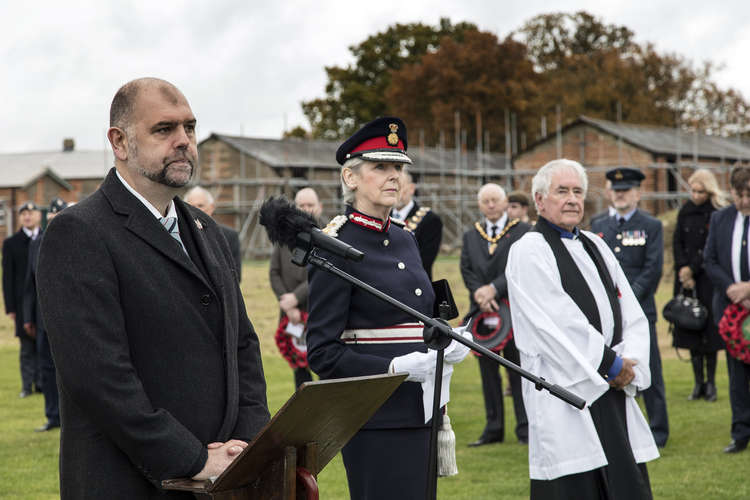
(367, 222)
(627, 216)
(564, 233)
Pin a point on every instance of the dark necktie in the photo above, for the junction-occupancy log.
(494, 231)
(172, 227)
(620, 221)
(744, 269)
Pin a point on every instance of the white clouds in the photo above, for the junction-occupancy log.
(249, 63)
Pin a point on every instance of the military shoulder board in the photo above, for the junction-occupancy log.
(333, 227)
(413, 222)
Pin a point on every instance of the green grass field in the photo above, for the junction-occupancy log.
(692, 465)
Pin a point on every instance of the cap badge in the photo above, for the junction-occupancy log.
(393, 136)
(618, 175)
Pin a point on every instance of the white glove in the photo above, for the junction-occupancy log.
(419, 365)
(456, 352)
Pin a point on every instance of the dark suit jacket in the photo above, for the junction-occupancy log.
(287, 277)
(15, 265)
(479, 268)
(155, 358)
(429, 233)
(233, 238)
(642, 263)
(717, 257)
(32, 313)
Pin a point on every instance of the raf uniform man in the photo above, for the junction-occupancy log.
(158, 365)
(34, 326)
(636, 239)
(422, 221)
(483, 258)
(15, 265)
(202, 199)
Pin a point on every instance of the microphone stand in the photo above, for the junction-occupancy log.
(437, 335)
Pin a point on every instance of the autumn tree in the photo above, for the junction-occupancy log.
(355, 94)
(478, 76)
(596, 69)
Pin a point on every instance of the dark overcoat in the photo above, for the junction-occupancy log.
(233, 239)
(15, 265)
(717, 258)
(155, 353)
(428, 230)
(689, 239)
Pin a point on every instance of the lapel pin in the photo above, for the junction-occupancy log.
(198, 224)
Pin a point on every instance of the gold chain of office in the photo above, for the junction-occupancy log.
(493, 241)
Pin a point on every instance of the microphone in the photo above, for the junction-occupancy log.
(284, 224)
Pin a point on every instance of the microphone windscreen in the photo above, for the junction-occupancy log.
(283, 220)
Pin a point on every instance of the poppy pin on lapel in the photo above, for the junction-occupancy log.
(198, 224)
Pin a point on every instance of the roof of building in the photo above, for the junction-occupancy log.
(18, 169)
(668, 141)
(322, 154)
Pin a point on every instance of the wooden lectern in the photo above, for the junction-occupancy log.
(286, 456)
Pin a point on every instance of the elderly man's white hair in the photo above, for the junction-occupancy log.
(199, 191)
(491, 185)
(543, 178)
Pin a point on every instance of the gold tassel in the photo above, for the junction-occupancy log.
(446, 449)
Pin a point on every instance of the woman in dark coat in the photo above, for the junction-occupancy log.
(689, 239)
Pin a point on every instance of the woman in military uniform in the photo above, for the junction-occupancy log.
(690, 237)
(351, 333)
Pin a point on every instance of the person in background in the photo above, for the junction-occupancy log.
(578, 324)
(422, 221)
(15, 266)
(637, 240)
(518, 206)
(610, 211)
(726, 261)
(289, 283)
(484, 254)
(34, 326)
(202, 199)
(689, 240)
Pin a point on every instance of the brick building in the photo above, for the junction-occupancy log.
(241, 172)
(666, 156)
(40, 176)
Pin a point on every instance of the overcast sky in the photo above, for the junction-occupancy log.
(246, 65)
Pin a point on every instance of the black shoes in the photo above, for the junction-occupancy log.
(736, 446)
(47, 426)
(698, 392)
(486, 440)
(710, 392)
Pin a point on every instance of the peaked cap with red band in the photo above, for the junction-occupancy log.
(381, 140)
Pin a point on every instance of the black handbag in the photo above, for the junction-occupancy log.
(686, 312)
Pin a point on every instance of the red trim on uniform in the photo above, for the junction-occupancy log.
(369, 222)
(376, 143)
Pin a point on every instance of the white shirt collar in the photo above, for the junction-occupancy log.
(500, 223)
(171, 211)
(402, 213)
(31, 233)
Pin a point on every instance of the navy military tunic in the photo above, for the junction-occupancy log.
(638, 244)
(393, 265)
